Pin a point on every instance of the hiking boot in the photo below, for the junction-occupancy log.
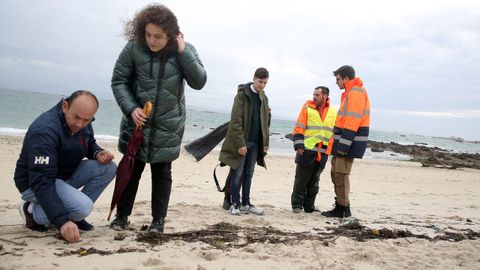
(84, 225)
(296, 210)
(157, 225)
(347, 211)
(234, 210)
(226, 203)
(28, 219)
(339, 211)
(120, 223)
(251, 209)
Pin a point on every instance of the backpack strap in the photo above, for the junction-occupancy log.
(216, 180)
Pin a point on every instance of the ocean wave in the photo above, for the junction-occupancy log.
(12, 131)
(106, 137)
(21, 132)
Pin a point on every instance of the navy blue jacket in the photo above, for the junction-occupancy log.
(51, 151)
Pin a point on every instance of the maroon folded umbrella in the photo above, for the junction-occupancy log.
(125, 167)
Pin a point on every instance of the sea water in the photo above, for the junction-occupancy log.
(19, 108)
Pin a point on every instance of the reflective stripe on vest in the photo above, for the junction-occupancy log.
(348, 142)
(318, 130)
(345, 105)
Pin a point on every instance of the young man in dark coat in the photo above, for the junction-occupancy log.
(247, 139)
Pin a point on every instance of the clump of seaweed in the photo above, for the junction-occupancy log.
(225, 235)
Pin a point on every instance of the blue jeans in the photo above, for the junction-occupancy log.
(246, 167)
(91, 175)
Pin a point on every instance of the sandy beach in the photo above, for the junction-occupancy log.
(385, 196)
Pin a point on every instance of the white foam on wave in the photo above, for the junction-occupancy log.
(106, 137)
(21, 132)
(12, 131)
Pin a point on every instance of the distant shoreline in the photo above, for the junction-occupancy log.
(427, 156)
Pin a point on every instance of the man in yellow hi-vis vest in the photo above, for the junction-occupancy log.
(311, 137)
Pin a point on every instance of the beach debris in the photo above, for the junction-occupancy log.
(120, 236)
(351, 223)
(88, 251)
(225, 236)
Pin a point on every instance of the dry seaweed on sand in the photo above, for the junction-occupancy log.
(225, 235)
(353, 229)
(88, 251)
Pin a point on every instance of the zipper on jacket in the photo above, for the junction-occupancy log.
(179, 99)
(161, 73)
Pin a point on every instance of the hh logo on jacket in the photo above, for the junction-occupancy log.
(41, 160)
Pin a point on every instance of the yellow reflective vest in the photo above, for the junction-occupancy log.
(317, 130)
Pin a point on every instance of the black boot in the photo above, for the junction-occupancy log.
(339, 211)
(347, 212)
(334, 212)
(157, 225)
(119, 223)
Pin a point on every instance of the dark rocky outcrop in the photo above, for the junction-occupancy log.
(430, 156)
(427, 156)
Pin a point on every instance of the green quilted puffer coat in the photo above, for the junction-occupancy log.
(141, 75)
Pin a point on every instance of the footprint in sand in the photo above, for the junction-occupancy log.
(209, 256)
(256, 221)
(152, 262)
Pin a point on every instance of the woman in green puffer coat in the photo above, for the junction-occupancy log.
(153, 66)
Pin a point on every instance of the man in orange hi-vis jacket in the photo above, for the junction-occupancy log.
(311, 136)
(350, 136)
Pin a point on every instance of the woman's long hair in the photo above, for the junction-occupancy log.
(159, 15)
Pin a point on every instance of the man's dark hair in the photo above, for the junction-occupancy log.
(261, 73)
(78, 93)
(345, 71)
(325, 89)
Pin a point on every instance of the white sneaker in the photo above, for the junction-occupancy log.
(234, 210)
(251, 209)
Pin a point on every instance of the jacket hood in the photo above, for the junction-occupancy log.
(244, 87)
(161, 56)
(354, 82)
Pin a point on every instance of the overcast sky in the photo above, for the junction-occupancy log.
(418, 59)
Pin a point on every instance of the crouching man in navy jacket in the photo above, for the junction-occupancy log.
(51, 167)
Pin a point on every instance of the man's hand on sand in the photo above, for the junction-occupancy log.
(70, 232)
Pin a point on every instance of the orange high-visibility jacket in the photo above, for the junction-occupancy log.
(312, 152)
(350, 133)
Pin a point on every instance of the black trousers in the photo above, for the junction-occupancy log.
(161, 189)
(306, 186)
